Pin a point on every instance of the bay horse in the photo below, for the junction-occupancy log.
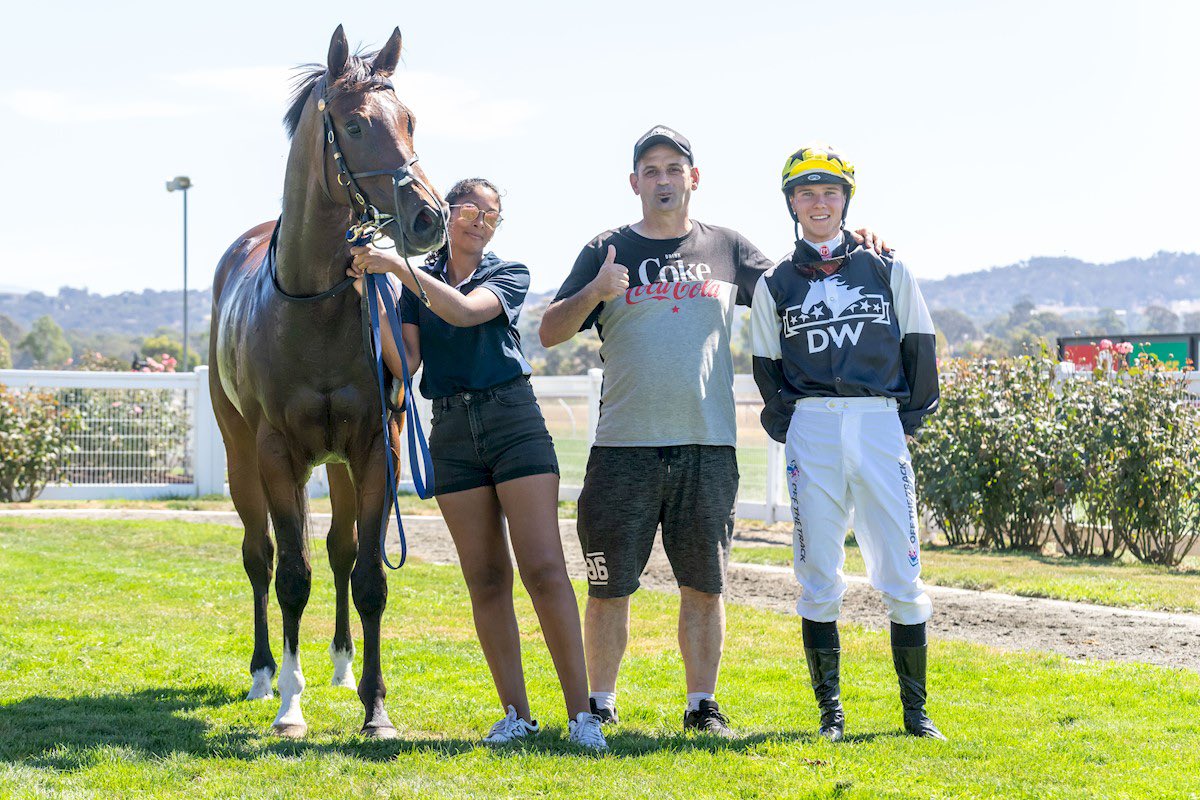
(291, 380)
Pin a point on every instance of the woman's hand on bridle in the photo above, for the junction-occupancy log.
(372, 259)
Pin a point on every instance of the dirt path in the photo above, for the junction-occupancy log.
(1075, 630)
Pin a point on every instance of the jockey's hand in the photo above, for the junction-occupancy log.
(372, 259)
(873, 242)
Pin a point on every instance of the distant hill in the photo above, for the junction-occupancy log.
(1162, 279)
(128, 313)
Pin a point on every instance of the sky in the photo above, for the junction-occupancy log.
(983, 133)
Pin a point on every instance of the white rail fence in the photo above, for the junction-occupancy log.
(154, 435)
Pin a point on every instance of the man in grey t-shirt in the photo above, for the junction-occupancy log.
(661, 293)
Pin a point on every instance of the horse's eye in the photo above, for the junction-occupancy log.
(353, 129)
(411, 124)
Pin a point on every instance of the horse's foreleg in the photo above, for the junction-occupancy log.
(258, 552)
(370, 585)
(282, 479)
(342, 546)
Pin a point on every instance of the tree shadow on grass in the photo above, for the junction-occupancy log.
(65, 734)
(59, 732)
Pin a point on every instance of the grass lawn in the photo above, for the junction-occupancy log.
(1127, 584)
(124, 650)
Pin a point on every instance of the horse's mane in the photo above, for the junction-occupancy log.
(355, 77)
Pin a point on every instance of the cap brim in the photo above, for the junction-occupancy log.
(659, 139)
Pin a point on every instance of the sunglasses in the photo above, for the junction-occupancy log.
(469, 211)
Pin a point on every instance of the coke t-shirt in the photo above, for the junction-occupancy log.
(668, 372)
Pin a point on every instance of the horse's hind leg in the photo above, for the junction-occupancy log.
(342, 546)
(282, 476)
(258, 553)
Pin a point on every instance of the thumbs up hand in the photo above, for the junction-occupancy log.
(613, 279)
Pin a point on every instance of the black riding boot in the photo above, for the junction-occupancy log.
(823, 652)
(910, 658)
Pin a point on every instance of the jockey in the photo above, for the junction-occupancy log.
(844, 358)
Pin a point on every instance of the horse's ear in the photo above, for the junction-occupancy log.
(339, 54)
(385, 61)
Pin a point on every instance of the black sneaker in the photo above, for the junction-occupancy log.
(608, 716)
(707, 719)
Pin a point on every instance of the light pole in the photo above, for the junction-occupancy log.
(183, 183)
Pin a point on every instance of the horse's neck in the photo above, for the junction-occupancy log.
(312, 254)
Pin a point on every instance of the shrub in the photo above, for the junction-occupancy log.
(1106, 463)
(1093, 415)
(34, 443)
(946, 459)
(1016, 452)
(1156, 485)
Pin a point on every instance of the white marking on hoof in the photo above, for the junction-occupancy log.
(343, 667)
(260, 684)
(291, 686)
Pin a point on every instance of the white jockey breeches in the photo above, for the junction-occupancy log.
(843, 454)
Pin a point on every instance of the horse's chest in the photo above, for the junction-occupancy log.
(325, 420)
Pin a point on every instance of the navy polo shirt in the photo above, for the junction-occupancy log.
(471, 359)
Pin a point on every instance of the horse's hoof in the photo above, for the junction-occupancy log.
(379, 732)
(287, 731)
(260, 686)
(343, 668)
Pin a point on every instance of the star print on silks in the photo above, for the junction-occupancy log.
(675, 310)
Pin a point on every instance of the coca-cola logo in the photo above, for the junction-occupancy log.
(672, 290)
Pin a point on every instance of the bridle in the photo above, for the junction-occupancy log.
(372, 222)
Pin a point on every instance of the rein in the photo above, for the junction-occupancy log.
(377, 292)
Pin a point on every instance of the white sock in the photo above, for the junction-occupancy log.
(694, 698)
(605, 700)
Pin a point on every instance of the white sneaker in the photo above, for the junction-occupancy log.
(510, 729)
(585, 732)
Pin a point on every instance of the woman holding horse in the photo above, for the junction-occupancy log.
(493, 457)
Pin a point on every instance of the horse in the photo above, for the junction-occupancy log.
(291, 381)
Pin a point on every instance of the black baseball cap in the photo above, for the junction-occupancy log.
(661, 134)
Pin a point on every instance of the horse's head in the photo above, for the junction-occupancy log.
(364, 140)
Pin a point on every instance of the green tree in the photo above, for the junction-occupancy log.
(956, 325)
(1107, 321)
(155, 346)
(10, 330)
(1160, 320)
(5, 354)
(46, 344)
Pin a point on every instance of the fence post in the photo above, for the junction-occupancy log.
(208, 451)
(775, 458)
(595, 381)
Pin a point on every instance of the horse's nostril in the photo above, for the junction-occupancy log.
(424, 221)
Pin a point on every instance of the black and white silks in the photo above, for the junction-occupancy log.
(863, 331)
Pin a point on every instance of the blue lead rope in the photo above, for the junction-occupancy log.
(379, 291)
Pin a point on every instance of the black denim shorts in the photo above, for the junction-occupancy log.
(489, 437)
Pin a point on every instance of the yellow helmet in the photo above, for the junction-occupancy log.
(817, 164)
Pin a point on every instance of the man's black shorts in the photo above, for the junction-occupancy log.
(691, 490)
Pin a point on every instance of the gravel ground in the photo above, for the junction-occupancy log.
(1008, 622)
